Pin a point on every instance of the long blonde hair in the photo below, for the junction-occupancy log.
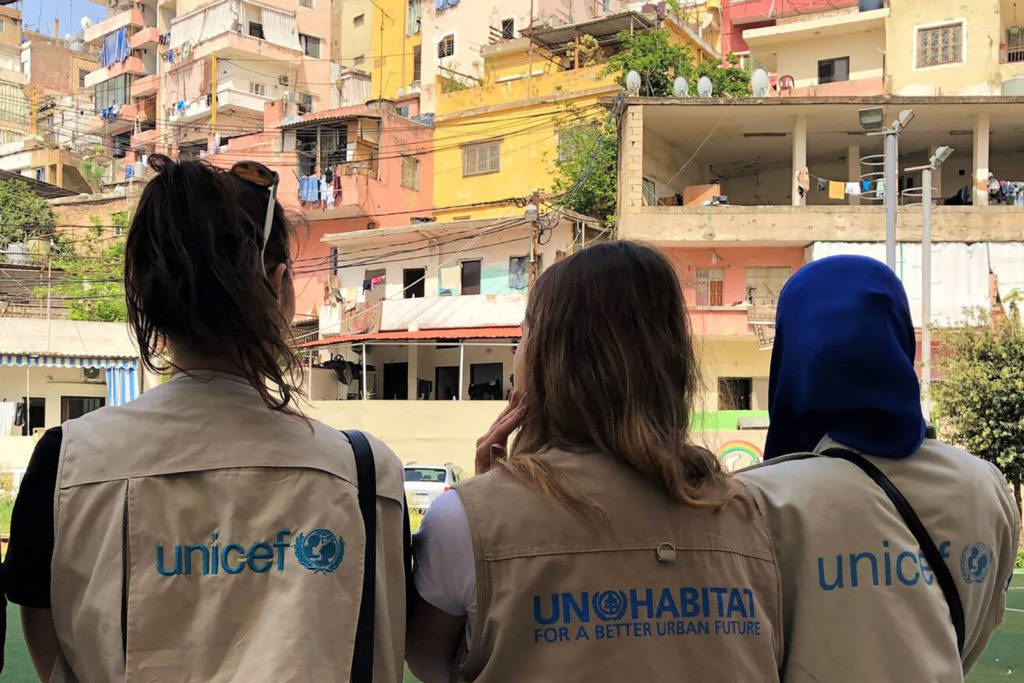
(610, 369)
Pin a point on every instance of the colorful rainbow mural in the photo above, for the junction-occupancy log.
(735, 455)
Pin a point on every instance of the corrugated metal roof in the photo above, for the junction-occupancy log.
(42, 189)
(326, 117)
(603, 29)
(453, 334)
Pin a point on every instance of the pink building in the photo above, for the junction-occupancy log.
(375, 162)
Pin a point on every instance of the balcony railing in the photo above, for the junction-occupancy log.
(1011, 55)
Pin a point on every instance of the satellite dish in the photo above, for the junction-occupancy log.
(680, 87)
(760, 83)
(705, 87)
(67, 37)
(633, 83)
(86, 23)
(708, 20)
(401, 92)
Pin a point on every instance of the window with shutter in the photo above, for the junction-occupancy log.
(484, 157)
(710, 287)
(940, 45)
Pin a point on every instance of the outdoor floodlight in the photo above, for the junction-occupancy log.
(905, 117)
(871, 118)
(941, 154)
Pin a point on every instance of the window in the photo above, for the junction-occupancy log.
(256, 30)
(82, 73)
(734, 393)
(484, 157)
(308, 4)
(485, 382)
(833, 70)
(446, 46)
(607, 5)
(710, 287)
(940, 45)
(765, 283)
(310, 46)
(411, 173)
(414, 283)
(518, 272)
(72, 407)
(508, 29)
(417, 64)
(403, 111)
(41, 174)
(257, 89)
(36, 417)
(414, 19)
(650, 194)
(111, 93)
(470, 277)
(358, 20)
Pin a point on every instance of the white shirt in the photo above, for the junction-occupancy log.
(445, 574)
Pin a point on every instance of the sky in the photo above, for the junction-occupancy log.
(39, 14)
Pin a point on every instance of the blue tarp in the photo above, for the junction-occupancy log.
(115, 48)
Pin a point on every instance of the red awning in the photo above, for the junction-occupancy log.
(455, 333)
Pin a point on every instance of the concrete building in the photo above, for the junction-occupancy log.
(731, 191)
(14, 104)
(497, 140)
(867, 47)
(53, 371)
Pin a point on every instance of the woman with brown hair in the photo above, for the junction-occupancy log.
(606, 545)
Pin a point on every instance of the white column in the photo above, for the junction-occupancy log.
(936, 176)
(462, 371)
(853, 170)
(981, 145)
(414, 371)
(799, 156)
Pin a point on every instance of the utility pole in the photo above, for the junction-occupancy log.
(533, 215)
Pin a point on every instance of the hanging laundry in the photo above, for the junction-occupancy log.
(822, 184)
(865, 185)
(116, 48)
(337, 186)
(326, 191)
(880, 189)
(853, 189)
(309, 189)
(803, 179)
(379, 280)
(836, 190)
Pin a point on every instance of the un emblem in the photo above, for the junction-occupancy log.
(975, 562)
(610, 605)
(319, 551)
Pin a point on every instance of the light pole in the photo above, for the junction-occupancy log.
(941, 154)
(871, 120)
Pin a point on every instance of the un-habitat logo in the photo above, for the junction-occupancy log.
(975, 562)
(320, 551)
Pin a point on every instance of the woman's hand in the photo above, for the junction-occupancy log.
(494, 443)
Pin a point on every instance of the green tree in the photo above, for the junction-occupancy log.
(652, 55)
(586, 169)
(93, 284)
(729, 80)
(23, 214)
(980, 400)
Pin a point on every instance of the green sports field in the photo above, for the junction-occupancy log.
(1003, 660)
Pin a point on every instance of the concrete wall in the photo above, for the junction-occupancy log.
(392, 50)
(978, 74)
(348, 40)
(438, 432)
(719, 359)
(865, 49)
(11, 33)
(50, 384)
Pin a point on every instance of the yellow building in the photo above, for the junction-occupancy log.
(395, 48)
(496, 141)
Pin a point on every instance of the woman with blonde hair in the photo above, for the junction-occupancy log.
(606, 545)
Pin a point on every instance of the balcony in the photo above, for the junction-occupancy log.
(132, 65)
(237, 45)
(228, 100)
(145, 86)
(214, 27)
(145, 38)
(122, 122)
(751, 11)
(145, 141)
(816, 26)
(95, 34)
(355, 196)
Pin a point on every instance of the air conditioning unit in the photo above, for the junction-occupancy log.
(283, 80)
(91, 374)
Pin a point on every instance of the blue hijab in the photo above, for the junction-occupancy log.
(843, 362)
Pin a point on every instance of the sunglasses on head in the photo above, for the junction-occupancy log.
(261, 176)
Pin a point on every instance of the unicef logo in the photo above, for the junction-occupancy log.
(975, 562)
(319, 550)
(610, 605)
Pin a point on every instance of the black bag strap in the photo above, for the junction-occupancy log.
(366, 473)
(931, 553)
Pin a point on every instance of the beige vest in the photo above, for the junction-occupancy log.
(223, 538)
(861, 603)
(667, 593)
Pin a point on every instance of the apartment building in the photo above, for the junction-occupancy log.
(497, 140)
(867, 47)
(741, 193)
(14, 104)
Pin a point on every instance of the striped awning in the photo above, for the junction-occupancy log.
(42, 361)
(122, 375)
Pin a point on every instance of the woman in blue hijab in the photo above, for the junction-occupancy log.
(853, 378)
(860, 602)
